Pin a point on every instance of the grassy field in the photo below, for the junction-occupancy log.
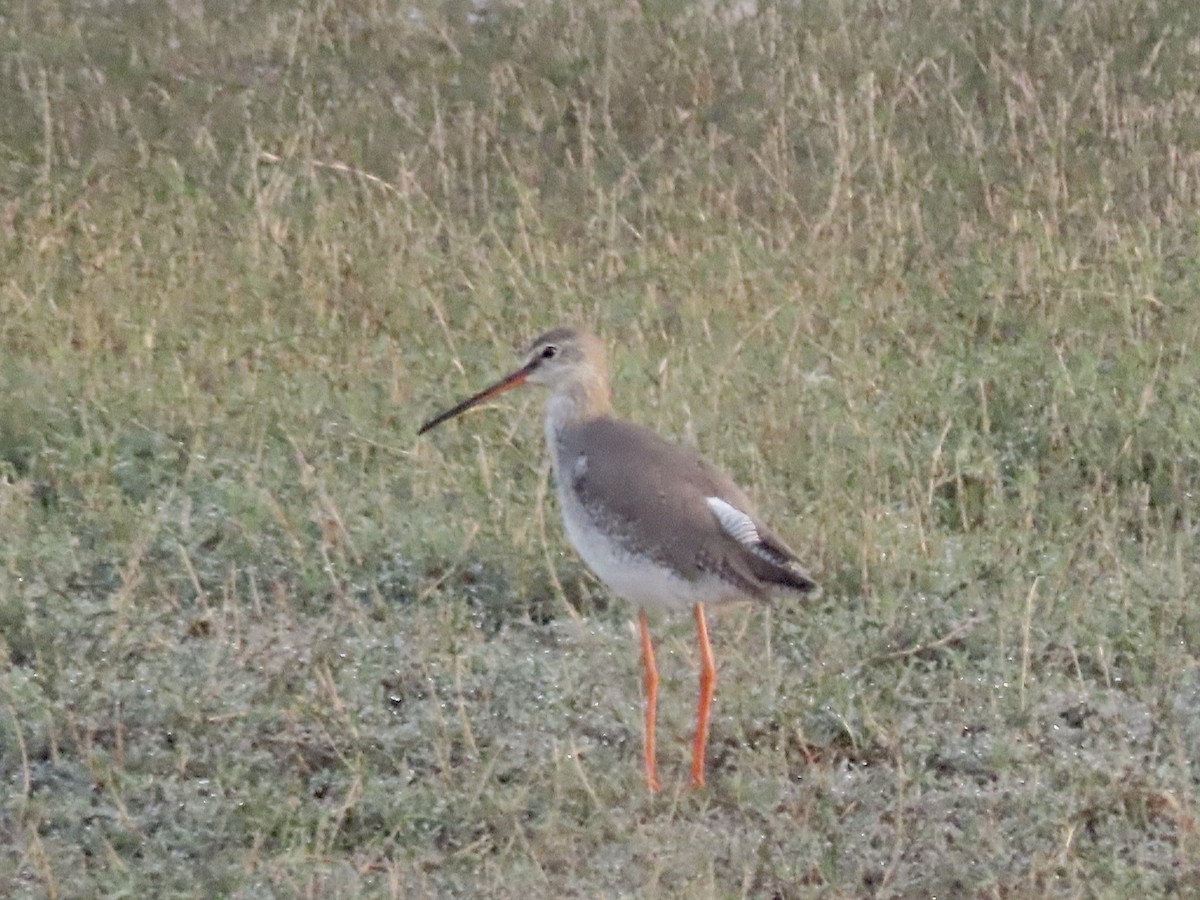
(923, 276)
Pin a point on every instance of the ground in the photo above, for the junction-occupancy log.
(921, 276)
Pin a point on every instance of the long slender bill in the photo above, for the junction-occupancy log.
(516, 379)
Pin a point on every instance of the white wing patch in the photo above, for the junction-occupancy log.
(580, 467)
(734, 522)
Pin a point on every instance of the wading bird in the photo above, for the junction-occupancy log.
(660, 525)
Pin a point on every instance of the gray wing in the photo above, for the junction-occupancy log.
(671, 503)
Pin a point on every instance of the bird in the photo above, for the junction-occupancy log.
(661, 526)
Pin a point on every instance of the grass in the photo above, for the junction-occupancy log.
(922, 277)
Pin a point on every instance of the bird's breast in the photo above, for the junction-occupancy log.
(612, 553)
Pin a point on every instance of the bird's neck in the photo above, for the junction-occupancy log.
(575, 403)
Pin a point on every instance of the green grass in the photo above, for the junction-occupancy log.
(922, 277)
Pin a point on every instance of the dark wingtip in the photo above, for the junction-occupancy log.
(775, 563)
(800, 582)
(789, 577)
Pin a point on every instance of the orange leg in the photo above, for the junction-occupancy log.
(708, 684)
(651, 681)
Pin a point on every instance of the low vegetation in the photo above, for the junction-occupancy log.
(922, 276)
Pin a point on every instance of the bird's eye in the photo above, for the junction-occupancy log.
(550, 352)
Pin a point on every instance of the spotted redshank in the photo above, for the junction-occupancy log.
(660, 525)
